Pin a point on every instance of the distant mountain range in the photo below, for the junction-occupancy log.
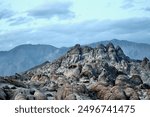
(24, 57)
(131, 49)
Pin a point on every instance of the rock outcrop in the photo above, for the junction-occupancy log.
(83, 73)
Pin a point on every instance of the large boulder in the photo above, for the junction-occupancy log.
(122, 80)
(72, 90)
(20, 96)
(131, 93)
(136, 80)
(39, 95)
(87, 71)
(117, 93)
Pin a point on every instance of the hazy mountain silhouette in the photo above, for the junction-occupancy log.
(24, 57)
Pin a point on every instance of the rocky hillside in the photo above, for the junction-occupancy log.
(83, 73)
(24, 57)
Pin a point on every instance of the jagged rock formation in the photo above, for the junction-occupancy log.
(26, 56)
(83, 73)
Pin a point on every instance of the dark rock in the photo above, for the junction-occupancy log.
(136, 80)
(120, 53)
(17, 83)
(108, 75)
(75, 50)
(86, 49)
(145, 61)
(145, 86)
(110, 45)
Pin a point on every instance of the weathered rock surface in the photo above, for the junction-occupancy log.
(83, 73)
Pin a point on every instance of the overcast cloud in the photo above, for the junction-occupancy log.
(6, 13)
(127, 4)
(69, 22)
(147, 9)
(49, 10)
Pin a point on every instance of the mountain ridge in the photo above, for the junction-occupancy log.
(26, 56)
(83, 73)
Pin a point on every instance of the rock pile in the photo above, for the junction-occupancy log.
(83, 73)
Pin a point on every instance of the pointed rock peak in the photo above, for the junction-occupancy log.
(75, 50)
(110, 45)
(86, 49)
(146, 59)
(145, 62)
(77, 46)
(119, 50)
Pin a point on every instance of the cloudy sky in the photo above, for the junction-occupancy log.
(67, 22)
